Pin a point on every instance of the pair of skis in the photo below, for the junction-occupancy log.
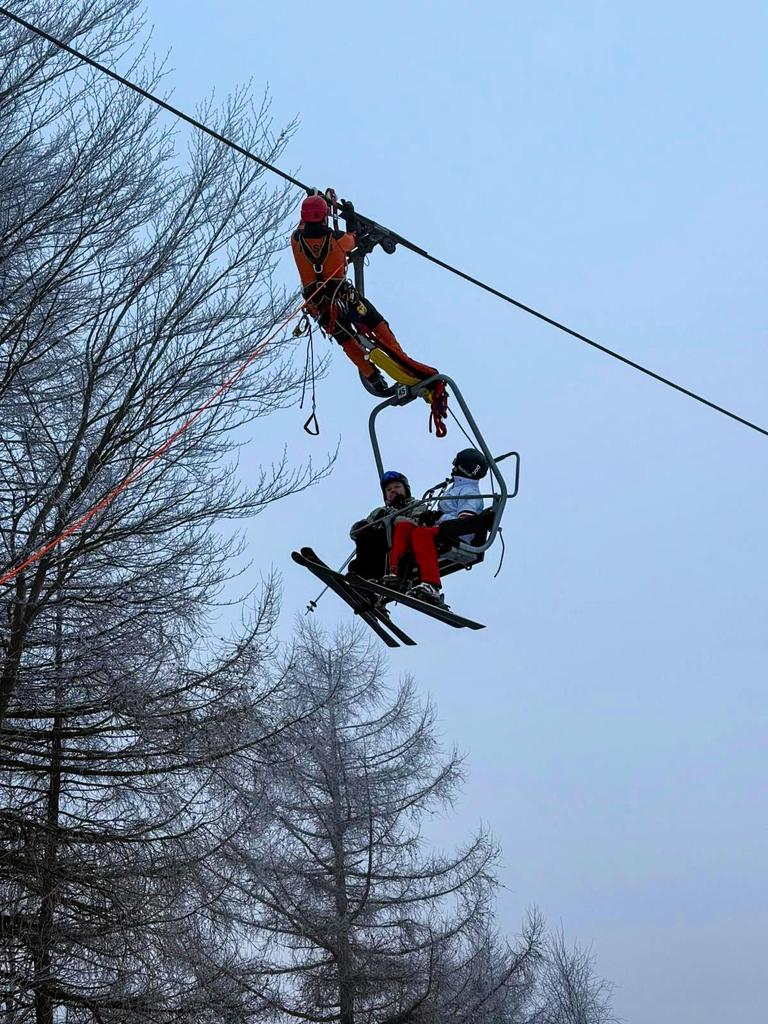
(367, 599)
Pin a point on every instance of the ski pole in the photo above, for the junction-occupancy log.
(313, 604)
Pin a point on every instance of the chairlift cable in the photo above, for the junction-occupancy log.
(152, 97)
(393, 236)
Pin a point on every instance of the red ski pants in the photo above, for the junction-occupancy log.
(421, 541)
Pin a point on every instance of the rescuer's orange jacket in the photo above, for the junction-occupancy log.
(321, 253)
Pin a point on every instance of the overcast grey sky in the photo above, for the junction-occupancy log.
(606, 163)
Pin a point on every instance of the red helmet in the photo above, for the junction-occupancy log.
(314, 210)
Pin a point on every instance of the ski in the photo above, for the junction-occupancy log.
(375, 609)
(443, 614)
(357, 602)
(361, 604)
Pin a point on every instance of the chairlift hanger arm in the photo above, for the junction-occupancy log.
(404, 396)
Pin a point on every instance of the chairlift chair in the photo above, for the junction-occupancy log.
(461, 554)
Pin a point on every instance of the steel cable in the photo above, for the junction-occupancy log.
(393, 235)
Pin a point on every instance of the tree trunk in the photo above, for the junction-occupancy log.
(42, 982)
(345, 965)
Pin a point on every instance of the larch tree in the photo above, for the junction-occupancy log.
(569, 989)
(354, 918)
(111, 807)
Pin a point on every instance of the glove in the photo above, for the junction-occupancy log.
(365, 524)
(429, 518)
(348, 215)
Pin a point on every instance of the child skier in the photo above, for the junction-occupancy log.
(457, 508)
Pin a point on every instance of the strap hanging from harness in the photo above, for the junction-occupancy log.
(503, 552)
(311, 426)
(439, 409)
(333, 316)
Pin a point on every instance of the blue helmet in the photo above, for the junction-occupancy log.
(393, 476)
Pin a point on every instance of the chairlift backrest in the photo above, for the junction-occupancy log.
(463, 551)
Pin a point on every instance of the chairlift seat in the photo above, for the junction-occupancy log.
(457, 554)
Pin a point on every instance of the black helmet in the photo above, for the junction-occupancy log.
(470, 463)
(393, 476)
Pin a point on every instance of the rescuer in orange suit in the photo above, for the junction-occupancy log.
(321, 256)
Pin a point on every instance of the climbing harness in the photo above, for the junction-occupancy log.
(317, 259)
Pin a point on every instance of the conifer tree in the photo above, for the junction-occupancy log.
(359, 920)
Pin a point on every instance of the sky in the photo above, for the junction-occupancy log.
(606, 164)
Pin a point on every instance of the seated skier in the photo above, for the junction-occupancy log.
(321, 256)
(372, 535)
(457, 506)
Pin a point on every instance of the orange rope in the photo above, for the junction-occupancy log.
(9, 576)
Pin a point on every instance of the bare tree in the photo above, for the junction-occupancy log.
(134, 279)
(109, 808)
(133, 285)
(569, 989)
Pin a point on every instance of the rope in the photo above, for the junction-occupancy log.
(438, 409)
(456, 419)
(392, 235)
(108, 498)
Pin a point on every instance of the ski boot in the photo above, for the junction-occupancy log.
(428, 592)
(392, 581)
(377, 383)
